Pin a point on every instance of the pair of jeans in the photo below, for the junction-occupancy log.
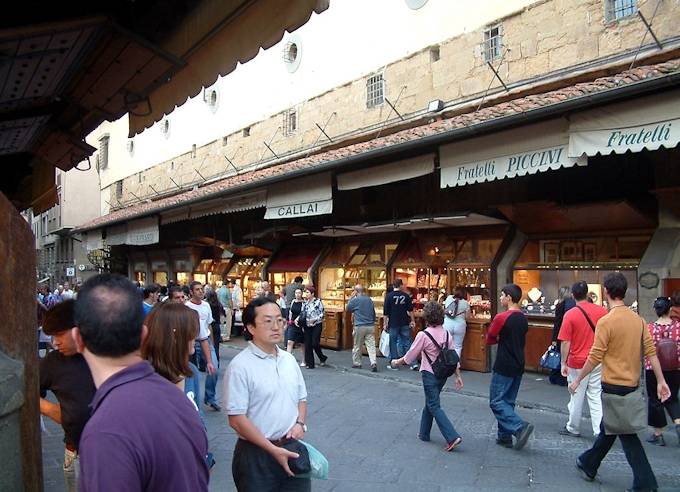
(210, 380)
(643, 476)
(400, 341)
(656, 416)
(312, 336)
(192, 387)
(502, 396)
(432, 410)
(363, 335)
(255, 470)
(71, 470)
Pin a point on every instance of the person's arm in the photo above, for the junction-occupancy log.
(413, 352)
(596, 355)
(297, 431)
(51, 410)
(205, 346)
(663, 392)
(494, 330)
(564, 352)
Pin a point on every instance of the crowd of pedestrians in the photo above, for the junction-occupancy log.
(125, 371)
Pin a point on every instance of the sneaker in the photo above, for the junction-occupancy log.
(389, 366)
(302, 364)
(656, 439)
(582, 471)
(453, 444)
(374, 368)
(354, 366)
(523, 435)
(566, 432)
(213, 405)
(414, 367)
(506, 443)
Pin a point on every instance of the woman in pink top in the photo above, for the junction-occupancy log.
(433, 313)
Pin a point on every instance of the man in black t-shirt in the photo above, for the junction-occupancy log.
(65, 373)
(509, 331)
(398, 321)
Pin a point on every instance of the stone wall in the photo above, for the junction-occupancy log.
(553, 37)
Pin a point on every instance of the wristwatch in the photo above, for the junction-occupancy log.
(302, 424)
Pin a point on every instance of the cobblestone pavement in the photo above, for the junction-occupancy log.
(367, 425)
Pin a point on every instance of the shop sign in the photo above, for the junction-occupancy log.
(143, 231)
(650, 136)
(300, 210)
(159, 266)
(509, 166)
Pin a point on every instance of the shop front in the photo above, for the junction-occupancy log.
(246, 269)
(294, 259)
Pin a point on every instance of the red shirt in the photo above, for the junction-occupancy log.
(577, 331)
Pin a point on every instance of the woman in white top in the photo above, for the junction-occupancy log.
(456, 310)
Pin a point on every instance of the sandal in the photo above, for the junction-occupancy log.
(453, 444)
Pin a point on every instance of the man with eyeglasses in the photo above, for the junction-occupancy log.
(266, 403)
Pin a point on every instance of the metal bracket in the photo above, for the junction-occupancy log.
(649, 28)
(496, 75)
(154, 190)
(323, 131)
(648, 25)
(393, 108)
(178, 186)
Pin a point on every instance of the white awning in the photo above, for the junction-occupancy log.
(528, 150)
(228, 205)
(116, 235)
(303, 197)
(387, 173)
(143, 231)
(93, 240)
(646, 123)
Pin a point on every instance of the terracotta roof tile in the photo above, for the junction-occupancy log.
(517, 106)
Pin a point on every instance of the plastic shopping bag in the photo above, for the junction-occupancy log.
(318, 462)
(385, 344)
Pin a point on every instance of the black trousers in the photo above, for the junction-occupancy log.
(313, 344)
(655, 415)
(643, 476)
(255, 470)
(217, 338)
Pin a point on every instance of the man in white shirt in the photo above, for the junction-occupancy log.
(266, 403)
(68, 293)
(236, 304)
(207, 348)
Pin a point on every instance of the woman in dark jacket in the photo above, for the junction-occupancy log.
(566, 303)
(217, 313)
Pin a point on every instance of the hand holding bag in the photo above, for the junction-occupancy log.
(551, 359)
(300, 465)
(318, 462)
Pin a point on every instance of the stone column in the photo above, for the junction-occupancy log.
(19, 341)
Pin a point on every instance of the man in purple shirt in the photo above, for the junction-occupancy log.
(144, 433)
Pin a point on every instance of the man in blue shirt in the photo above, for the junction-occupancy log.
(398, 321)
(151, 294)
(361, 306)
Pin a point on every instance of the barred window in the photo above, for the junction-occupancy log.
(290, 122)
(493, 43)
(375, 91)
(618, 9)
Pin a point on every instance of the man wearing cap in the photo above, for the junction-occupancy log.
(64, 372)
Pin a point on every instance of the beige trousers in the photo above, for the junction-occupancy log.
(363, 334)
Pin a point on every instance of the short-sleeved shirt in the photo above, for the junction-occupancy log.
(144, 434)
(205, 318)
(363, 309)
(509, 330)
(224, 296)
(147, 308)
(265, 388)
(70, 380)
(576, 330)
(397, 306)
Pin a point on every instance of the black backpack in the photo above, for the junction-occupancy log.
(446, 363)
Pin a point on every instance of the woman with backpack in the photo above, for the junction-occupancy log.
(666, 335)
(438, 360)
(456, 309)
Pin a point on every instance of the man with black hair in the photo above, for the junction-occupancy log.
(204, 347)
(131, 441)
(176, 294)
(151, 294)
(398, 319)
(266, 403)
(64, 372)
(577, 334)
(620, 338)
(509, 330)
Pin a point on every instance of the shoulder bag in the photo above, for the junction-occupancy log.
(446, 363)
(626, 414)
(590, 322)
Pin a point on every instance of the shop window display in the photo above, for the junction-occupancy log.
(183, 278)
(546, 265)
